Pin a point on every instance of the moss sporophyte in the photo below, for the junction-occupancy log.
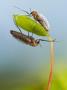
(36, 25)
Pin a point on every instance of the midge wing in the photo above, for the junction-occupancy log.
(45, 22)
(22, 10)
(29, 25)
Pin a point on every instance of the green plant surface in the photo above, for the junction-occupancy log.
(38, 82)
(30, 25)
(60, 79)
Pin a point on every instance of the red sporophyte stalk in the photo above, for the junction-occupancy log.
(51, 63)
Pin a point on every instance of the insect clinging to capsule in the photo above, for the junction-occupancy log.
(24, 38)
(27, 40)
(39, 18)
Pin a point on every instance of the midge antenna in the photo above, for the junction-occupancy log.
(54, 40)
(30, 10)
(24, 10)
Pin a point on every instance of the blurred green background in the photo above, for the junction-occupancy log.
(23, 67)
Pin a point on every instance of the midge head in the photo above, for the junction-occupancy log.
(33, 13)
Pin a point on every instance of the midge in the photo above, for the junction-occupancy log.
(24, 38)
(27, 40)
(39, 18)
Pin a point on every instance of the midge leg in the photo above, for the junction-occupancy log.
(28, 34)
(19, 29)
(32, 34)
(17, 26)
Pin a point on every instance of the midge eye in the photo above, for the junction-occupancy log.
(34, 13)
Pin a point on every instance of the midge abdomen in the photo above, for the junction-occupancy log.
(29, 25)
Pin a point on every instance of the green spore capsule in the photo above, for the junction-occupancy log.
(30, 25)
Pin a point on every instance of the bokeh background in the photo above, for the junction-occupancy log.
(23, 67)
